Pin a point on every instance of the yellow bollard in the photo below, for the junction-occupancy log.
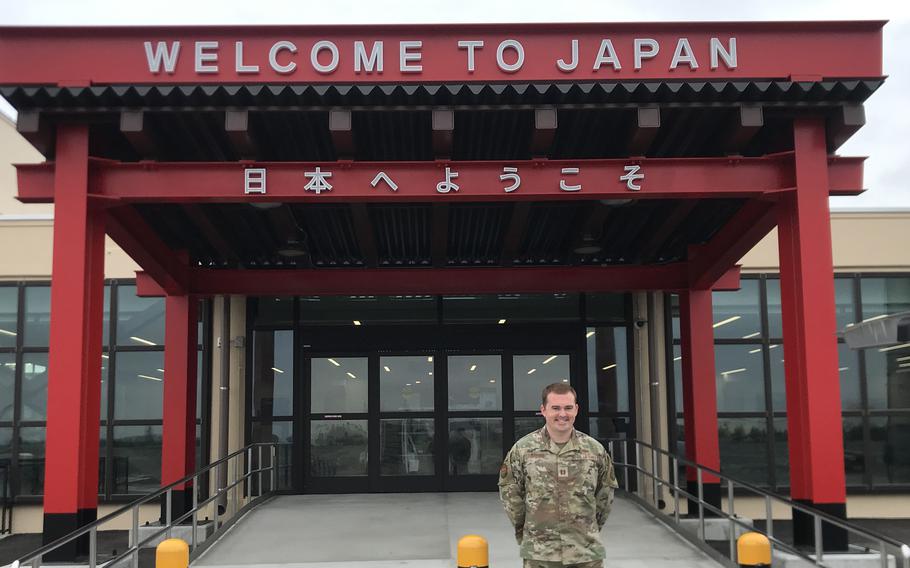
(172, 553)
(753, 549)
(472, 552)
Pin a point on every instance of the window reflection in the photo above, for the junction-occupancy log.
(737, 314)
(475, 382)
(740, 377)
(885, 296)
(338, 448)
(137, 459)
(139, 385)
(281, 433)
(890, 449)
(475, 446)
(744, 448)
(34, 386)
(9, 308)
(524, 425)
(338, 384)
(140, 321)
(273, 373)
(406, 383)
(406, 446)
(7, 386)
(843, 305)
(37, 316)
(888, 377)
(31, 460)
(531, 373)
(608, 369)
(854, 453)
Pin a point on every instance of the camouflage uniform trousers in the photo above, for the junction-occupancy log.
(542, 564)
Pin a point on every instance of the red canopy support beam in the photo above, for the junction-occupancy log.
(699, 393)
(385, 281)
(178, 449)
(810, 342)
(74, 385)
(534, 180)
(137, 239)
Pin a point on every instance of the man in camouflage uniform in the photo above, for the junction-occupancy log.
(557, 485)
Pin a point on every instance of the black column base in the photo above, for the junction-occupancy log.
(181, 502)
(710, 494)
(58, 525)
(834, 539)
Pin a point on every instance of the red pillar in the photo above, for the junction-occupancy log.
(810, 344)
(178, 450)
(74, 385)
(696, 328)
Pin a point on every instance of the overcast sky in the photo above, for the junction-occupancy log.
(883, 139)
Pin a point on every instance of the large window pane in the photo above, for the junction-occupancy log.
(9, 308)
(31, 460)
(677, 378)
(781, 453)
(737, 314)
(6, 456)
(406, 383)
(740, 378)
(281, 433)
(744, 449)
(854, 452)
(843, 305)
(848, 369)
(37, 315)
(490, 308)
(338, 384)
(524, 425)
(888, 377)
(7, 386)
(338, 448)
(137, 459)
(608, 369)
(605, 307)
(531, 373)
(475, 382)
(274, 311)
(605, 428)
(890, 449)
(140, 321)
(273, 373)
(138, 385)
(885, 296)
(34, 386)
(406, 446)
(475, 446)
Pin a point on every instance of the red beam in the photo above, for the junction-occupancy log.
(688, 178)
(178, 430)
(138, 240)
(394, 281)
(109, 55)
(742, 232)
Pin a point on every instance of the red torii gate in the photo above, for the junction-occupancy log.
(789, 191)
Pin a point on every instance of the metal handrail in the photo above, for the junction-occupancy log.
(34, 558)
(899, 549)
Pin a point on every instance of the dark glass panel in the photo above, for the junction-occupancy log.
(9, 309)
(406, 446)
(7, 386)
(781, 453)
(737, 314)
(338, 448)
(854, 452)
(31, 460)
(137, 459)
(475, 382)
(608, 369)
(345, 310)
(139, 385)
(606, 428)
(274, 311)
(406, 383)
(674, 315)
(740, 378)
(524, 425)
(885, 296)
(273, 374)
(510, 307)
(744, 449)
(338, 384)
(281, 433)
(37, 316)
(475, 446)
(677, 378)
(531, 373)
(888, 377)
(606, 307)
(34, 386)
(890, 449)
(140, 321)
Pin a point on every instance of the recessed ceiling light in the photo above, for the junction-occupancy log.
(149, 378)
(726, 321)
(430, 359)
(548, 359)
(277, 370)
(755, 350)
(492, 380)
(608, 367)
(352, 375)
(334, 362)
(141, 340)
(416, 382)
(502, 321)
(531, 371)
(8, 332)
(473, 368)
(589, 334)
(356, 322)
(387, 370)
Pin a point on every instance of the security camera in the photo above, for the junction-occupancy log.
(640, 323)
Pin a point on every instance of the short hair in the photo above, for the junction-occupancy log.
(558, 388)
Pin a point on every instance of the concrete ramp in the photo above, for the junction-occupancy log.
(418, 530)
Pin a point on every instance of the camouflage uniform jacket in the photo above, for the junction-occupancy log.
(557, 498)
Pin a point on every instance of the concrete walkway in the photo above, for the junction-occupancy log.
(418, 530)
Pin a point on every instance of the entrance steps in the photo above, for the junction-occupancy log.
(418, 530)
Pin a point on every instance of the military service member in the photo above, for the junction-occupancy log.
(557, 485)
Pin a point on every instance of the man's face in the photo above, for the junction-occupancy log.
(560, 411)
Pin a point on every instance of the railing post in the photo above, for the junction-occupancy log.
(248, 478)
(883, 554)
(819, 549)
(274, 466)
(92, 547)
(701, 504)
(134, 559)
(905, 556)
(259, 473)
(769, 519)
(195, 511)
(625, 458)
(732, 513)
(655, 483)
(638, 487)
(676, 489)
(168, 514)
